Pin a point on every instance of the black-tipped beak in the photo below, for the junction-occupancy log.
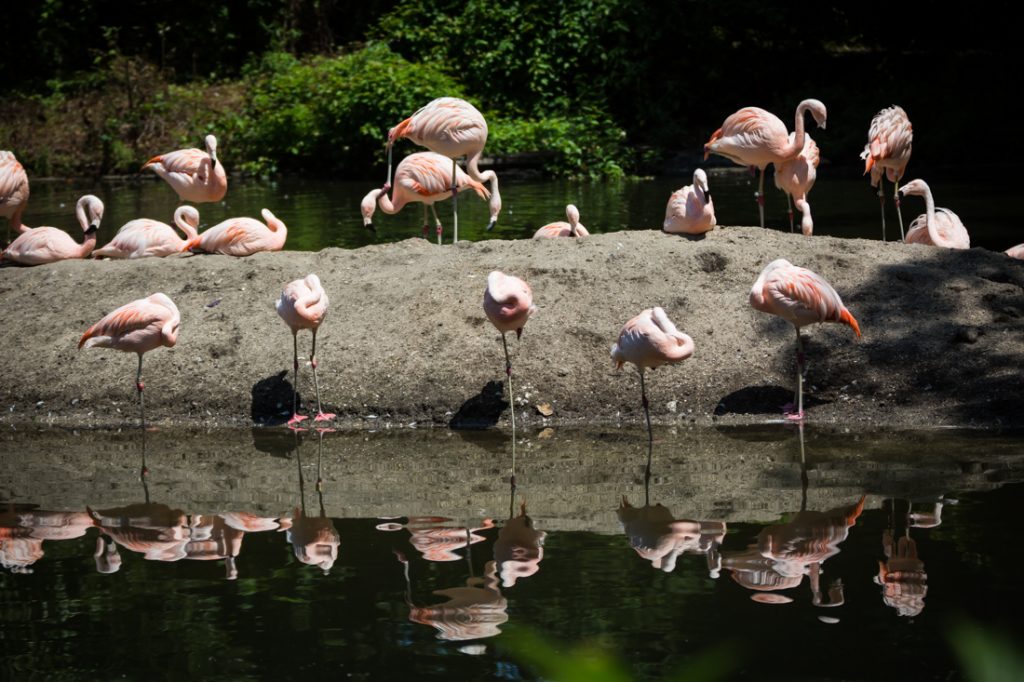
(93, 229)
(370, 227)
(490, 225)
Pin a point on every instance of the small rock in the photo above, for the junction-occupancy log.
(672, 406)
(828, 619)
(545, 409)
(546, 433)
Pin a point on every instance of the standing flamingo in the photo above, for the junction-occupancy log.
(508, 304)
(690, 209)
(755, 137)
(137, 327)
(573, 228)
(802, 297)
(241, 237)
(303, 305)
(452, 127)
(796, 177)
(145, 238)
(195, 175)
(887, 152)
(13, 192)
(39, 245)
(936, 226)
(420, 177)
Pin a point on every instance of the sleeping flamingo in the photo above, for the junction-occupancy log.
(508, 304)
(241, 237)
(573, 228)
(796, 177)
(690, 209)
(195, 175)
(303, 305)
(39, 245)
(936, 226)
(145, 238)
(13, 192)
(887, 153)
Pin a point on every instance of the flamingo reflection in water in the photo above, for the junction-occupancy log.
(23, 531)
(661, 539)
(314, 539)
(902, 576)
(519, 548)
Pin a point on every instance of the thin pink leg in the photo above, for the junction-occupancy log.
(321, 416)
(296, 417)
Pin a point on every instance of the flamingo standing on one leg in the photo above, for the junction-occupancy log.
(195, 175)
(755, 137)
(241, 237)
(508, 304)
(573, 228)
(690, 209)
(13, 192)
(796, 177)
(137, 327)
(145, 238)
(936, 226)
(452, 127)
(802, 297)
(303, 305)
(420, 177)
(887, 152)
(39, 245)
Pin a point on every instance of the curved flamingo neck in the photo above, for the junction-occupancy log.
(807, 222)
(930, 223)
(88, 244)
(275, 225)
(186, 227)
(797, 145)
(386, 205)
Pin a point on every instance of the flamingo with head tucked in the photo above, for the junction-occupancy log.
(194, 174)
(13, 192)
(241, 237)
(303, 305)
(40, 245)
(508, 304)
(690, 209)
(936, 226)
(887, 153)
(145, 238)
(796, 177)
(573, 228)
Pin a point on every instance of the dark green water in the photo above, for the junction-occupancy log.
(390, 517)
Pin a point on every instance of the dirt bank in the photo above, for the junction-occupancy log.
(406, 340)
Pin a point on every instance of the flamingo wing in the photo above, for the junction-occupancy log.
(806, 297)
(187, 161)
(143, 315)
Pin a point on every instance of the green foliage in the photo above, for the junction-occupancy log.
(986, 655)
(586, 144)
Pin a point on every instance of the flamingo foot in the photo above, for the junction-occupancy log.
(322, 429)
(296, 418)
(426, 231)
(795, 417)
(324, 416)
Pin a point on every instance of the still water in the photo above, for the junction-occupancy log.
(407, 555)
(322, 213)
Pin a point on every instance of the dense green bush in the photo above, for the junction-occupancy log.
(587, 144)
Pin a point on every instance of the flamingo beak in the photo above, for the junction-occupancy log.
(93, 228)
(491, 224)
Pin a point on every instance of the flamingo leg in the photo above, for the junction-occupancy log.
(760, 197)
(508, 373)
(455, 205)
(426, 222)
(799, 414)
(437, 221)
(140, 386)
(881, 200)
(789, 203)
(650, 433)
(320, 414)
(388, 183)
(896, 200)
(296, 417)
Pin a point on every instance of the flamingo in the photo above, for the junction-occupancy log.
(13, 191)
(573, 228)
(887, 152)
(195, 175)
(303, 305)
(241, 237)
(145, 238)
(936, 226)
(452, 127)
(796, 177)
(802, 297)
(508, 304)
(420, 177)
(1015, 251)
(690, 209)
(137, 327)
(755, 137)
(39, 245)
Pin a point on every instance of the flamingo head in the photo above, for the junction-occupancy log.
(817, 109)
(368, 206)
(916, 187)
(211, 148)
(572, 214)
(189, 214)
(90, 211)
(700, 179)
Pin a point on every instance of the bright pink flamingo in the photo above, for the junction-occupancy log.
(303, 305)
(802, 297)
(755, 137)
(1015, 251)
(13, 192)
(508, 304)
(194, 174)
(796, 177)
(420, 177)
(145, 238)
(888, 152)
(936, 226)
(241, 237)
(39, 245)
(137, 327)
(690, 209)
(452, 127)
(573, 228)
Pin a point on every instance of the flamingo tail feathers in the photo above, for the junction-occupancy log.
(846, 318)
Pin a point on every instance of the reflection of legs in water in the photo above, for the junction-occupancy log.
(835, 589)
(106, 556)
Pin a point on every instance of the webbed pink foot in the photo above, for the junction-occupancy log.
(296, 418)
(324, 416)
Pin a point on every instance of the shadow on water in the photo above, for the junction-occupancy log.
(276, 442)
(482, 410)
(271, 398)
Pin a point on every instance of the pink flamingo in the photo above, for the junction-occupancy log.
(13, 191)
(573, 228)
(303, 305)
(39, 245)
(508, 304)
(452, 127)
(137, 327)
(145, 238)
(755, 137)
(195, 175)
(802, 297)
(888, 152)
(690, 209)
(241, 237)
(420, 177)
(1015, 251)
(796, 177)
(936, 226)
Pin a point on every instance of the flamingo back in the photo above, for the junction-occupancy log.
(14, 189)
(508, 302)
(750, 137)
(136, 327)
(949, 230)
(799, 296)
(447, 125)
(650, 340)
(889, 142)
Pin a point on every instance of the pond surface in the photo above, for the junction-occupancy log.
(322, 213)
(268, 554)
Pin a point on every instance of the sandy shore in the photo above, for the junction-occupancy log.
(406, 340)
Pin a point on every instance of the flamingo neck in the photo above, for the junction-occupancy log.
(16, 220)
(494, 204)
(186, 227)
(385, 203)
(88, 244)
(807, 223)
(797, 145)
(930, 222)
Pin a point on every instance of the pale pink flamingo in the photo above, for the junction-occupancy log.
(690, 209)
(755, 137)
(887, 153)
(452, 127)
(241, 237)
(39, 245)
(145, 238)
(936, 226)
(13, 192)
(508, 304)
(801, 297)
(1015, 251)
(573, 228)
(303, 305)
(421, 177)
(796, 177)
(137, 327)
(661, 539)
(519, 548)
(194, 174)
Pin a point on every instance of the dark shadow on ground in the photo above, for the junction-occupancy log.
(767, 400)
(272, 400)
(482, 410)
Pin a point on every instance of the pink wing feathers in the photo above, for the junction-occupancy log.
(799, 295)
(136, 327)
(889, 144)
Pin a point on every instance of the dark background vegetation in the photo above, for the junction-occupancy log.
(605, 87)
